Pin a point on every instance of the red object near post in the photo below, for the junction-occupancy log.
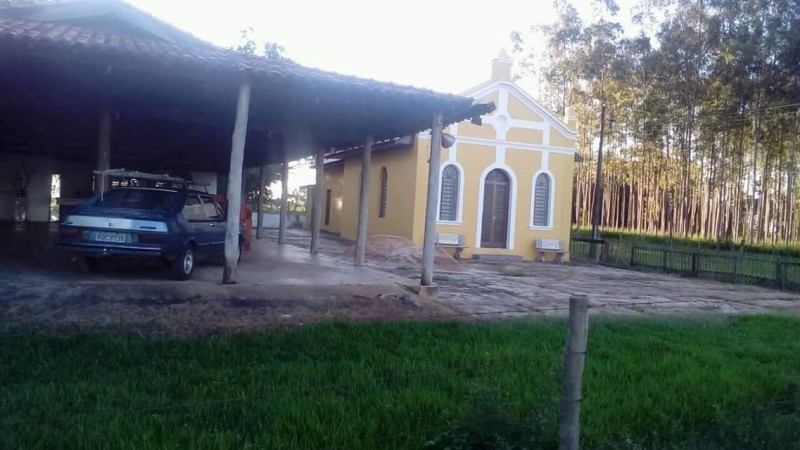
(245, 218)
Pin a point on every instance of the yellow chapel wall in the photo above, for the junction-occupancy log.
(334, 177)
(524, 163)
(401, 167)
(407, 187)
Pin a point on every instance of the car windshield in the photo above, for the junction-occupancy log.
(145, 199)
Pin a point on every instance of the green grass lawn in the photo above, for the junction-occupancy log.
(717, 383)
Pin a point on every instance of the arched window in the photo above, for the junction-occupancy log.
(541, 200)
(384, 187)
(448, 201)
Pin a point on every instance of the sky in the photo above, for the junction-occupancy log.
(444, 45)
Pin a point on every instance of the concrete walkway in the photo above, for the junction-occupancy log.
(278, 286)
(27, 255)
(268, 263)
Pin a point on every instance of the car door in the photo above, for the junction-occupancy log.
(198, 223)
(216, 226)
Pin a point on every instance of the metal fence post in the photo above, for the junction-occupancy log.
(574, 356)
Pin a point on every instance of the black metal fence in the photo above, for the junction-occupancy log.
(732, 267)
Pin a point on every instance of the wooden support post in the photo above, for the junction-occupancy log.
(429, 240)
(363, 205)
(262, 196)
(235, 184)
(284, 219)
(316, 213)
(101, 182)
(569, 425)
(780, 274)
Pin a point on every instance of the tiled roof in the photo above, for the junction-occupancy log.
(138, 45)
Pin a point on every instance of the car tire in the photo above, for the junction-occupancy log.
(183, 265)
(92, 264)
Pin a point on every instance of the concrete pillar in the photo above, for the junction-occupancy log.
(262, 196)
(316, 216)
(101, 182)
(363, 205)
(429, 241)
(284, 219)
(235, 183)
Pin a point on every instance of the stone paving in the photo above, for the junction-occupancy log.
(545, 288)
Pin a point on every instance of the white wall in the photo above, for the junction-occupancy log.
(272, 220)
(206, 177)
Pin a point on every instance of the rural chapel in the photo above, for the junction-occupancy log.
(505, 184)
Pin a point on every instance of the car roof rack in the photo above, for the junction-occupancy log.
(168, 180)
(122, 173)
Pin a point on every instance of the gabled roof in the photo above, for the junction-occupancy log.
(66, 11)
(490, 86)
(112, 28)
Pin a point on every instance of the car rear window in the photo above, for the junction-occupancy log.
(146, 199)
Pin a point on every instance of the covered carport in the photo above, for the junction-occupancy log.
(98, 84)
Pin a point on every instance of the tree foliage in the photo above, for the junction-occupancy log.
(705, 95)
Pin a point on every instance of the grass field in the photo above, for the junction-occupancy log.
(722, 383)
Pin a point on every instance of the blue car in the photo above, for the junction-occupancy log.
(178, 226)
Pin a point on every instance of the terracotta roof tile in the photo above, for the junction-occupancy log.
(101, 38)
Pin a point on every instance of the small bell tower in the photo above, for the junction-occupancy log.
(501, 67)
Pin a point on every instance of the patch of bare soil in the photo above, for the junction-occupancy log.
(399, 251)
(194, 308)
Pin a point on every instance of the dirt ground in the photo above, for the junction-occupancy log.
(193, 308)
(279, 286)
(43, 295)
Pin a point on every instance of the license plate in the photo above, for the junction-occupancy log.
(105, 236)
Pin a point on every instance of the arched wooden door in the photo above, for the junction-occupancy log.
(494, 223)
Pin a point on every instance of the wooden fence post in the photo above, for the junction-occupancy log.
(605, 253)
(633, 252)
(780, 274)
(574, 355)
(735, 268)
(696, 264)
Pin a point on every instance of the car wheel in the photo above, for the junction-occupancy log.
(93, 265)
(183, 265)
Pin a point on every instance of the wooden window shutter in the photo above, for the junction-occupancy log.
(541, 201)
(448, 202)
(384, 188)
